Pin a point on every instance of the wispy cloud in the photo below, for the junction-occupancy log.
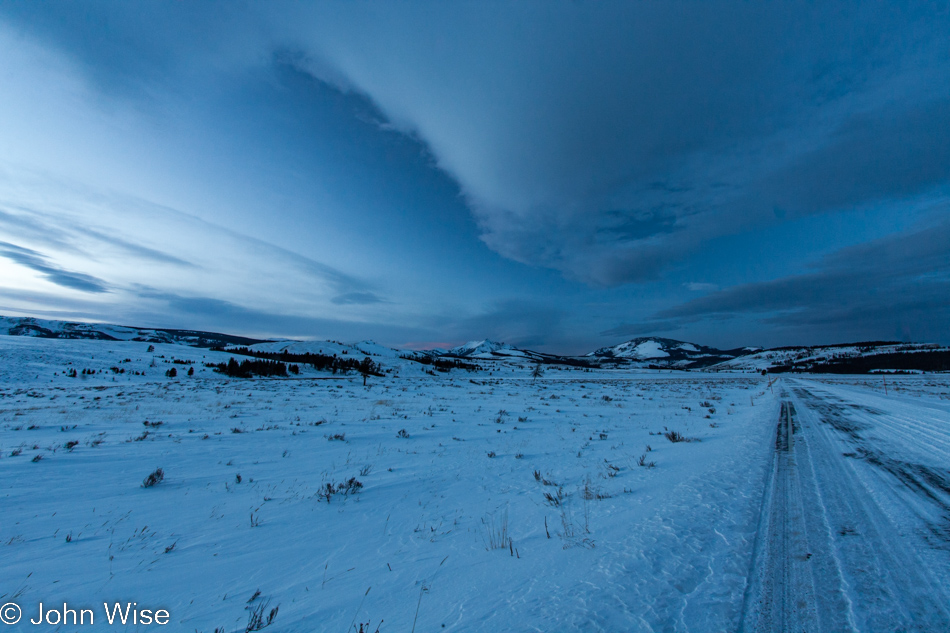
(53, 273)
(358, 298)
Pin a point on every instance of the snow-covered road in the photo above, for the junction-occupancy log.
(855, 528)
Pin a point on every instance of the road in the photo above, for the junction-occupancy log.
(854, 532)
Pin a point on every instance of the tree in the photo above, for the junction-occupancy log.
(538, 371)
(367, 368)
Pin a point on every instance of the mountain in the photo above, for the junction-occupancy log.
(666, 352)
(646, 352)
(849, 358)
(43, 328)
(482, 349)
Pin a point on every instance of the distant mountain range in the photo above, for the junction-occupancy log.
(667, 352)
(644, 352)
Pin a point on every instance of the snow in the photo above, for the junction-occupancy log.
(856, 529)
(628, 548)
(482, 349)
(649, 349)
(765, 359)
(638, 349)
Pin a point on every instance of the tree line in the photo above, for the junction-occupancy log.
(321, 362)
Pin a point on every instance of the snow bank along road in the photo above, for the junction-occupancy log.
(855, 529)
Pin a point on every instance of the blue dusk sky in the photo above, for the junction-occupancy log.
(559, 175)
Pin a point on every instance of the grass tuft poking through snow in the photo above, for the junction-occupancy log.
(154, 478)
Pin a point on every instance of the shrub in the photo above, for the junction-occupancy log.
(154, 478)
(256, 620)
(403, 434)
(171, 373)
(554, 500)
(675, 436)
(349, 487)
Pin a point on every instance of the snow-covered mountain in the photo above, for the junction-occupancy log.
(667, 352)
(482, 349)
(639, 352)
(43, 328)
(846, 358)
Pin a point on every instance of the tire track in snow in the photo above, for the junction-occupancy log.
(827, 556)
(795, 583)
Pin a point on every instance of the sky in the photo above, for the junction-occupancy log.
(558, 175)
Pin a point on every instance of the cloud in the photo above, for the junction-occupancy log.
(632, 330)
(893, 154)
(59, 276)
(695, 123)
(699, 286)
(54, 305)
(209, 313)
(64, 235)
(897, 286)
(518, 322)
(360, 298)
(130, 242)
(617, 143)
(609, 141)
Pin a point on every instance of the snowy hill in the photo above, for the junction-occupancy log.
(483, 349)
(43, 328)
(855, 358)
(668, 353)
(329, 348)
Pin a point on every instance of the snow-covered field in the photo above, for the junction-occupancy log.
(489, 501)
